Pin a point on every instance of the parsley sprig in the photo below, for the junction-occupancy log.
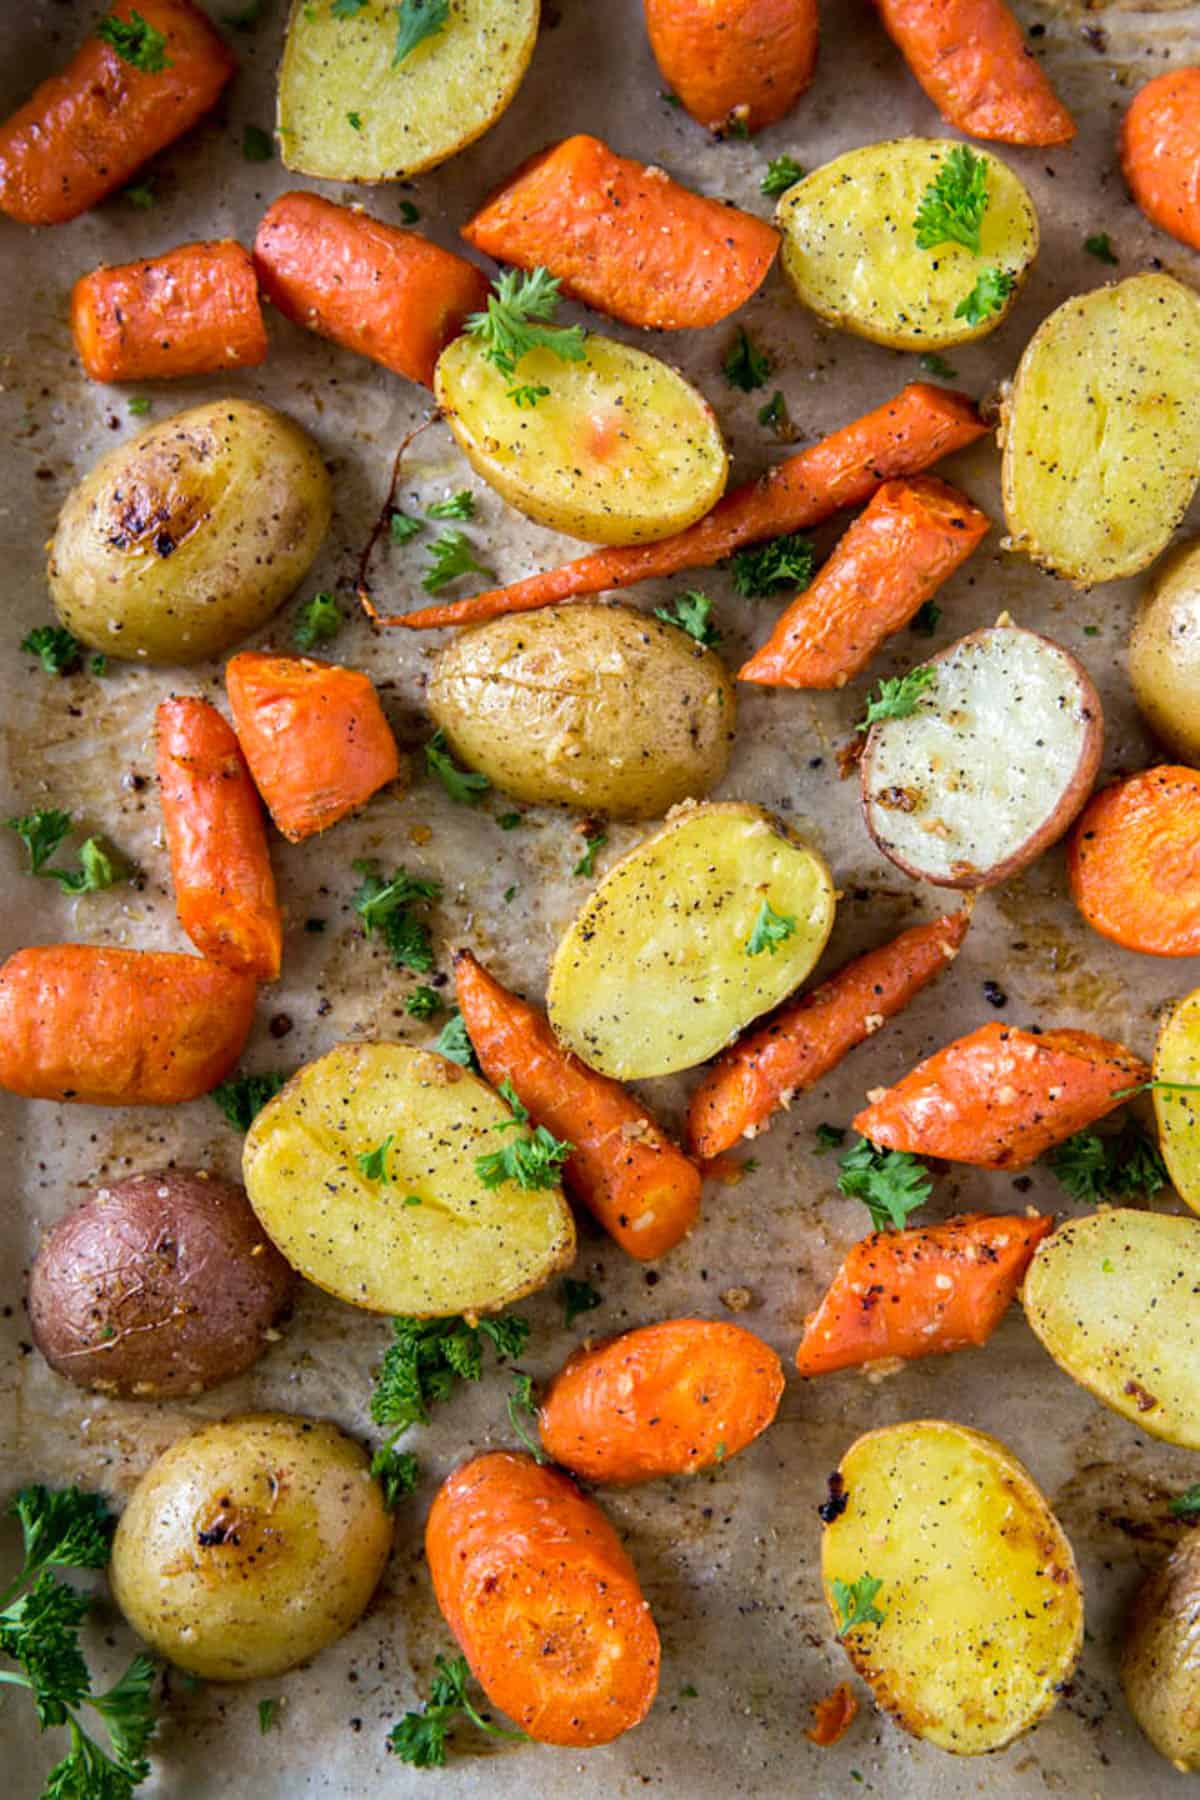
(242, 1097)
(135, 42)
(451, 554)
(464, 785)
(1095, 1168)
(317, 621)
(782, 173)
(890, 1183)
(1187, 1504)
(745, 366)
(58, 650)
(594, 841)
(420, 1737)
(532, 1160)
(770, 930)
(517, 320)
(522, 1414)
(387, 907)
(784, 562)
(42, 832)
(417, 20)
(691, 612)
(988, 295)
(454, 1043)
(898, 698)
(578, 1297)
(855, 1602)
(951, 209)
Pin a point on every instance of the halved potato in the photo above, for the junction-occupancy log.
(429, 1240)
(1113, 1297)
(619, 450)
(1101, 430)
(1160, 1664)
(1177, 1058)
(410, 116)
(674, 952)
(850, 245)
(981, 1602)
(993, 765)
(1164, 653)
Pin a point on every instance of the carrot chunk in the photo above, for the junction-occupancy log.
(192, 311)
(1160, 152)
(1133, 862)
(833, 1715)
(735, 64)
(971, 58)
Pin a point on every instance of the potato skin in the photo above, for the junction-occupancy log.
(250, 1545)
(180, 542)
(1164, 653)
(159, 1285)
(1160, 1664)
(598, 707)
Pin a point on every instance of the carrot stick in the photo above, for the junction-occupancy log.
(1000, 1096)
(971, 58)
(1160, 152)
(761, 1073)
(385, 293)
(920, 1292)
(833, 1715)
(895, 556)
(535, 1585)
(624, 237)
(119, 1027)
(83, 133)
(220, 865)
(623, 1168)
(314, 736)
(668, 1399)
(1133, 862)
(193, 311)
(735, 64)
(920, 426)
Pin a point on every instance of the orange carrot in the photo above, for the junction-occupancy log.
(667, 1399)
(1001, 1096)
(920, 426)
(1160, 152)
(735, 64)
(314, 736)
(810, 1036)
(534, 1583)
(385, 293)
(895, 556)
(193, 311)
(119, 1027)
(1133, 862)
(971, 58)
(220, 865)
(624, 237)
(86, 130)
(833, 1715)
(623, 1168)
(920, 1292)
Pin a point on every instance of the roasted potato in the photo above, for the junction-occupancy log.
(619, 448)
(1101, 429)
(599, 707)
(1160, 1664)
(411, 114)
(1113, 1298)
(707, 923)
(1177, 1058)
(850, 245)
(250, 1545)
(992, 766)
(428, 1237)
(1164, 653)
(180, 542)
(158, 1285)
(976, 1615)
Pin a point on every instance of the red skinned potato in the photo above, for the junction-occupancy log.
(1160, 152)
(735, 64)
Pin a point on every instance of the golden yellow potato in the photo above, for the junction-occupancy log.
(1160, 1665)
(1177, 1058)
(1164, 653)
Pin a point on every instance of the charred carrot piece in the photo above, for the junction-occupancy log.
(759, 1074)
(895, 556)
(624, 237)
(1160, 152)
(86, 130)
(314, 736)
(971, 58)
(192, 311)
(1133, 862)
(624, 1169)
(119, 1027)
(1001, 1096)
(920, 1292)
(734, 64)
(833, 1715)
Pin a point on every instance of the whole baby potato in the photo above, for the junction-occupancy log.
(599, 707)
(250, 1545)
(1160, 1666)
(179, 543)
(159, 1285)
(1164, 653)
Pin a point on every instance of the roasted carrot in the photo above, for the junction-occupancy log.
(624, 1169)
(1160, 152)
(1001, 1096)
(667, 1399)
(624, 237)
(1133, 861)
(735, 64)
(895, 556)
(314, 736)
(971, 58)
(534, 1583)
(386, 293)
(917, 428)
(833, 1715)
(86, 130)
(193, 311)
(810, 1036)
(920, 1292)
(220, 865)
(119, 1027)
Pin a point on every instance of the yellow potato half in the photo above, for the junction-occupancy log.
(1177, 1058)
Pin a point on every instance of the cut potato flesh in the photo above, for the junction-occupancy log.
(660, 969)
(1177, 1058)
(431, 1239)
(981, 1603)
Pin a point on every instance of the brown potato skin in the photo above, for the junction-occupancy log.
(1160, 1665)
(1164, 653)
(160, 1285)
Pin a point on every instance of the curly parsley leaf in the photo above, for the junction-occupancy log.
(57, 649)
(454, 1043)
(782, 173)
(587, 862)
(420, 1737)
(1187, 1504)
(855, 1602)
(372, 1164)
(1100, 246)
(135, 42)
(464, 785)
(397, 1472)
(317, 621)
(775, 415)
(242, 1097)
(925, 620)
(784, 562)
(770, 930)
(932, 364)
(455, 506)
(522, 1411)
(988, 295)
(257, 145)
(346, 9)
(417, 20)
(829, 1137)
(1096, 1168)
(691, 612)
(268, 1716)
(43, 832)
(423, 1003)
(451, 554)
(62, 1528)
(890, 1183)
(142, 196)
(427, 1358)
(898, 698)
(745, 366)
(533, 1160)
(517, 320)
(401, 528)
(578, 1297)
(951, 209)
(387, 908)
(128, 1712)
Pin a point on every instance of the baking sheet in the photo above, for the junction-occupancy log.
(729, 1561)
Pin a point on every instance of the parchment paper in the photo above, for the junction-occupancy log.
(729, 1562)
